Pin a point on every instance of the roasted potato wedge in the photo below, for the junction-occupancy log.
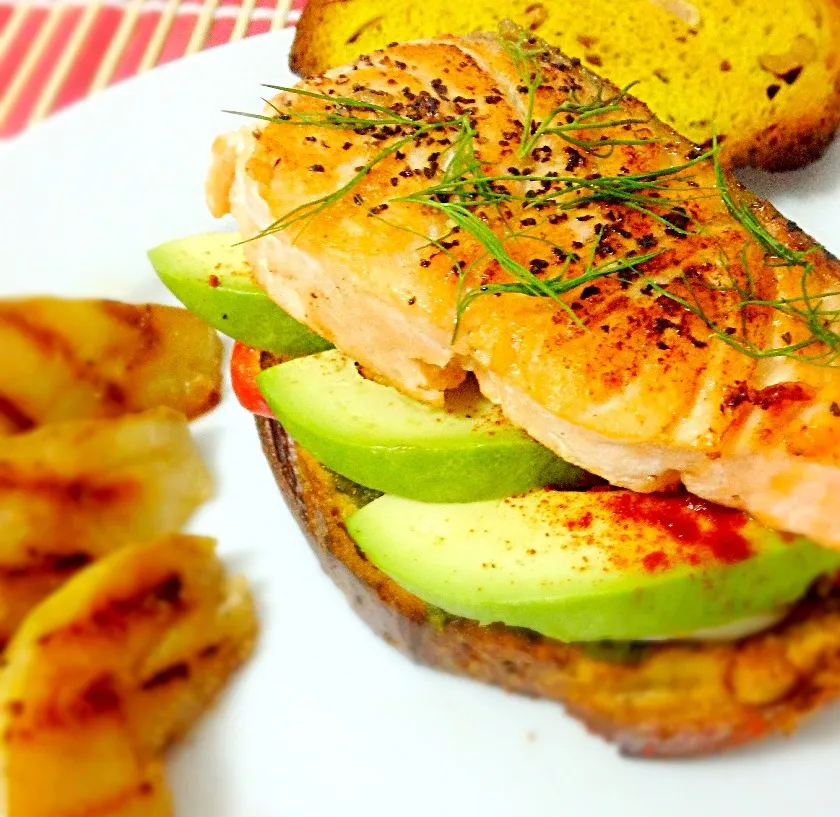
(82, 720)
(79, 359)
(73, 492)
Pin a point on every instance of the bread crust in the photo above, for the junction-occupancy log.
(787, 143)
(676, 700)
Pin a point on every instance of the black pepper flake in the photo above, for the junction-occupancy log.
(425, 262)
(448, 245)
(439, 88)
(787, 338)
(557, 218)
(538, 265)
(834, 409)
(310, 139)
(578, 245)
(589, 292)
(528, 222)
(772, 90)
(646, 242)
(561, 255)
(575, 159)
(493, 99)
(316, 168)
(394, 181)
(400, 64)
(679, 220)
(357, 199)
(541, 154)
(347, 146)
(399, 155)
(380, 208)
(407, 173)
(585, 218)
(412, 300)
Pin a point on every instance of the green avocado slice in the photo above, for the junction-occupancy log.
(590, 566)
(209, 274)
(374, 435)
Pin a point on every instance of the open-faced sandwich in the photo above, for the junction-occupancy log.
(555, 399)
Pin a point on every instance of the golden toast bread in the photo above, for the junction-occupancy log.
(655, 700)
(768, 81)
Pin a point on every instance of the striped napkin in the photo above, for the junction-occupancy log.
(54, 52)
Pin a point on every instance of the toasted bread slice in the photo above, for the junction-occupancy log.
(768, 83)
(656, 700)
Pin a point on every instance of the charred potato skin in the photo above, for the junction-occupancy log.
(678, 700)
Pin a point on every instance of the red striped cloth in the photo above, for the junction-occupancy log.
(54, 52)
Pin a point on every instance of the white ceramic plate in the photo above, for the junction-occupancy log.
(327, 721)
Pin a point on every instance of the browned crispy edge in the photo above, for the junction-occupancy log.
(787, 144)
(679, 700)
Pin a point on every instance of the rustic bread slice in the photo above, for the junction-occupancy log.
(768, 82)
(663, 700)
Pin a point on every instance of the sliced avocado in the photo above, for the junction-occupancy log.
(589, 566)
(374, 435)
(208, 273)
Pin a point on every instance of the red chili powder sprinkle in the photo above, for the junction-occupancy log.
(214, 281)
(655, 560)
(581, 523)
(702, 531)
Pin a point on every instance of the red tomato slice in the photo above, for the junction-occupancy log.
(244, 368)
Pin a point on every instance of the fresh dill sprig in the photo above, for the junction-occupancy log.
(807, 310)
(577, 116)
(335, 116)
(524, 51)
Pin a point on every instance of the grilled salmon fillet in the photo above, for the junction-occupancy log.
(486, 205)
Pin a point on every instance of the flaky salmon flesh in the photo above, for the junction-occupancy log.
(486, 205)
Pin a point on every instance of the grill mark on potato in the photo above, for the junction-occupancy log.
(98, 698)
(176, 672)
(17, 417)
(140, 319)
(51, 344)
(164, 596)
(76, 490)
(59, 564)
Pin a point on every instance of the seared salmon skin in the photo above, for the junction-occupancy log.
(487, 205)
